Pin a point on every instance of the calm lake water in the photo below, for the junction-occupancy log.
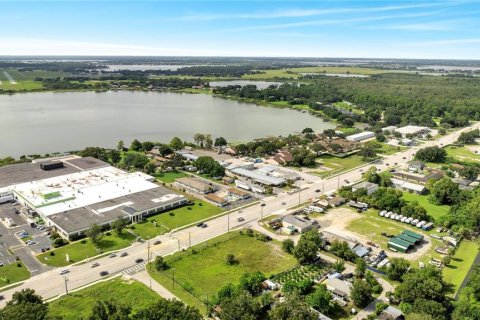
(48, 122)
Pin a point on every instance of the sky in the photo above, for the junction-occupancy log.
(445, 29)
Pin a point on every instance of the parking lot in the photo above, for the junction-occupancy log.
(12, 226)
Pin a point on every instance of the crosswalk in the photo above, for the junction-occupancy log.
(134, 269)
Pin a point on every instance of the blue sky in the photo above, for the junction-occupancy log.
(370, 29)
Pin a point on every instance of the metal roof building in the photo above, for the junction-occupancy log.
(399, 245)
(413, 234)
(408, 238)
(258, 177)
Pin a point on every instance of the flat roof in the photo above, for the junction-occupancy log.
(361, 135)
(296, 221)
(79, 219)
(412, 234)
(262, 178)
(31, 171)
(196, 183)
(75, 190)
(408, 185)
(25, 172)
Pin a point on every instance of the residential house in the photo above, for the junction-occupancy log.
(336, 201)
(282, 157)
(340, 289)
(391, 313)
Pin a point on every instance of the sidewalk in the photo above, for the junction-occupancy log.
(144, 278)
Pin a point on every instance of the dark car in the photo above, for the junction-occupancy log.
(124, 254)
(139, 260)
(200, 225)
(317, 190)
(103, 273)
(204, 225)
(240, 219)
(2, 298)
(157, 242)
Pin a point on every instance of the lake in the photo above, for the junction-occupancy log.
(47, 122)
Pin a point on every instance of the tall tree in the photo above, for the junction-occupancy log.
(176, 143)
(25, 305)
(119, 224)
(361, 293)
(293, 308)
(136, 145)
(95, 233)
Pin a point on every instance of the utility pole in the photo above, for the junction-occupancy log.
(66, 287)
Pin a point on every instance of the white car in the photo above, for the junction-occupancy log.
(64, 271)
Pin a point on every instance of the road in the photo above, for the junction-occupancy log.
(50, 284)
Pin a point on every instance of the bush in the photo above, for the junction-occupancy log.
(52, 253)
(171, 214)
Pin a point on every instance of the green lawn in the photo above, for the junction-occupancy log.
(205, 272)
(433, 210)
(337, 164)
(462, 154)
(78, 304)
(78, 251)
(179, 217)
(389, 149)
(461, 262)
(169, 177)
(13, 273)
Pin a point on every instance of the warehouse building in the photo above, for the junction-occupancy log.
(397, 244)
(361, 136)
(72, 193)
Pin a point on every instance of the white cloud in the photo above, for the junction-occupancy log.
(299, 13)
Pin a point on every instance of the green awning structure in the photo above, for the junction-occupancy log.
(413, 234)
(408, 238)
(399, 244)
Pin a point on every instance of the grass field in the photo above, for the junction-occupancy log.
(78, 251)
(295, 73)
(389, 149)
(433, 210)
(12, 273)
(462, 154)
(26, 79)
(175, 218)
(461, 262)
(77, 305)
(206, 271)
(169, 177)
(337, 164)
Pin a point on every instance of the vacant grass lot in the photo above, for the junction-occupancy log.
(433, 210)
(163, 222)
(170, 177)
(461, 262)
(12, 273)
(462, 154)
(78, 251)
(77, 305)
(337, 164)
(206, 271)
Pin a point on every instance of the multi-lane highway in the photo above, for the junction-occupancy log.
(51, 283)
